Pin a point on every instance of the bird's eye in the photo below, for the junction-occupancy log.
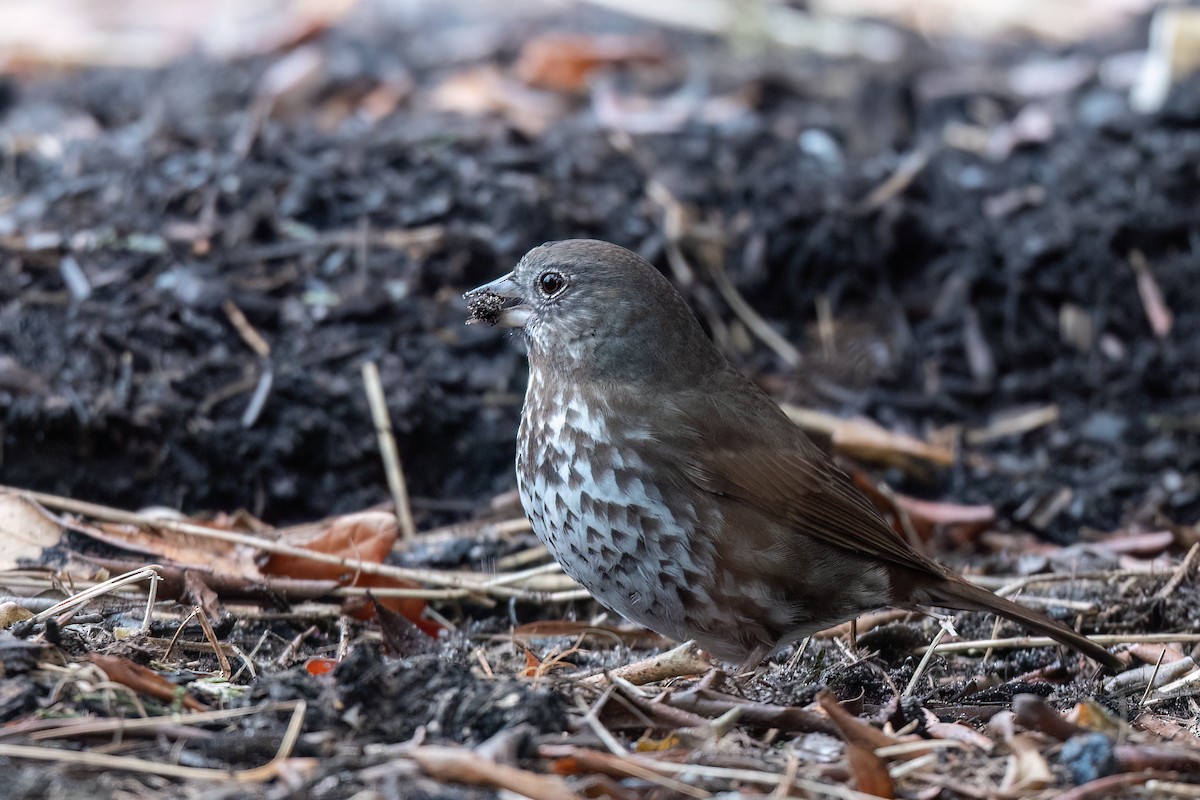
(551, 283)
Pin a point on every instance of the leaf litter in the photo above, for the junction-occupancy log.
(1024, 383)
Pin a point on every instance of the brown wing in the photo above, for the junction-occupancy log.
(753, 453)
(811, 494)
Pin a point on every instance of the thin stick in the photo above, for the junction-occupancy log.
(211, 635)
(1046, 641)
(387, 449)
(179, 632)
(83, 726)
(250, 336)
(104, 761)
(945, 628)
(96, 511)
(1153, 677)
(1181, 572)
(751, 318)
(76, 600)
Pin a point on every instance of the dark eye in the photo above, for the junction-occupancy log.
(551, 283)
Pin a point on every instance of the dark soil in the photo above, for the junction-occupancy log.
(137, 393)
(343, 240)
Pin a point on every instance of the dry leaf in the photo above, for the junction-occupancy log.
(144, 681)
(1027, 768)
(962, 523)
(401, 635)
(11, 613)
(459, 765)
(320, 666)
(366, 536)
(853, 729)
(485, 89)
(199, 593)
(564, 62)
(26, 530)
(870, 773)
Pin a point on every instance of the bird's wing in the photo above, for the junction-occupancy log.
(794, 483)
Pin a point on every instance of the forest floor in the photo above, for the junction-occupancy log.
(970, 269)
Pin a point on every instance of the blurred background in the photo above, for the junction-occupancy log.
(974, 223)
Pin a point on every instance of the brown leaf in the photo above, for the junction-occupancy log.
(26, 530)
(485, 89)
(564, 62)
(181, 549)
(144, 681)
(401, 636)
(853, 729)
(198, 593)
(962, 523)
(869, 771)
(957, 732)
(459, 765)
(1035, 714)
(364, 536)
(1027, 768)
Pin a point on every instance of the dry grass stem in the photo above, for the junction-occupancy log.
(387, 449)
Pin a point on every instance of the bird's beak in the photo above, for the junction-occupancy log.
(491, 303)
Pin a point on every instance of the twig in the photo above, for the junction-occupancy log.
(150, 571)
(86, 726)
(907, 170)
(104, 761)
(946, 627)
(387, 448)
(1013, 424)
(1160, 317)
(250, 336)
(258, 400)
(179, 632)
(96, 511)
(1153, 677)
(1045, 641)
(1180, 574)
(751, 318)
(679, 661)
(211, 635)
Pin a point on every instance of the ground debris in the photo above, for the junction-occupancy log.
(972, 275)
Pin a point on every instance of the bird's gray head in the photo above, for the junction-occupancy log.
(596, 310)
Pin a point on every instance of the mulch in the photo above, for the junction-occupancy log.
(195, 264)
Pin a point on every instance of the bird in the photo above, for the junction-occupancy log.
(676, 491)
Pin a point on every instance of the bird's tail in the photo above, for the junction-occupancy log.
(954, 592)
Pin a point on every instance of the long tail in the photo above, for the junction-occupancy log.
(954, 592)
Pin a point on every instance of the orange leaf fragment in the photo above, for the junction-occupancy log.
(869, 771)
(320, 666)
(144, 681)
(533, 665)
(366, 536)
(564, 62)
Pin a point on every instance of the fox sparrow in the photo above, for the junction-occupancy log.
(675, 490)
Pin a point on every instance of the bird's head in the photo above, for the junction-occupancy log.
(596, 310)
